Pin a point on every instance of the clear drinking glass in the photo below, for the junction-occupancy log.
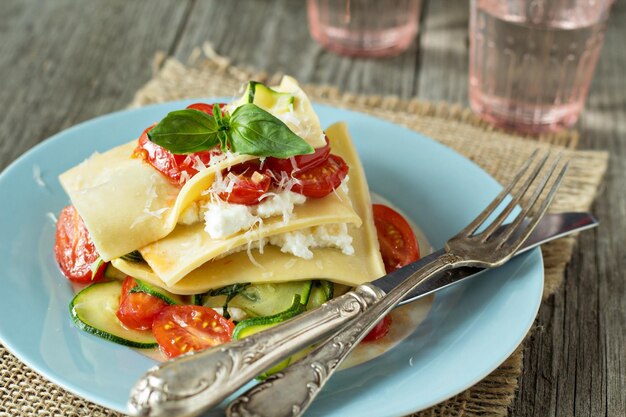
(532, 61)
(370, 28)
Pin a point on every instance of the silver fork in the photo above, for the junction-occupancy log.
(192, 383)
(291, 391)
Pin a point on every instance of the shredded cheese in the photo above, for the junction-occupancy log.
(37, 177)
(52, 217)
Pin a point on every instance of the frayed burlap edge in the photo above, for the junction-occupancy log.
(25, 393)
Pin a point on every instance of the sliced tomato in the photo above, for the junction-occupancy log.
(379, 331)
(206, 107)
(177, 168)
(398, 245)
(250, 184)
(321, 180)
(73, 248)
(185, 328)
(128, 284)
(299, 162)
(137, 310)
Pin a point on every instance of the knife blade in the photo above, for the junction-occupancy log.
(551, 227)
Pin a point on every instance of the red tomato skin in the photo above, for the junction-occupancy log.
(299, 162)
(398, 245)
(204, 328)
(319, 181)
(137, 310)
(379, 331)
(206, 107)
(248, 188)
(128, 284)
(73, 248)
(170, 165)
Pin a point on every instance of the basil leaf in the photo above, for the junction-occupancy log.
(253, 131)
(186, 131)
(134, 256)
(230, 291)
(223, 125)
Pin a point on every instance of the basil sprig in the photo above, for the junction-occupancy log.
(249, 130)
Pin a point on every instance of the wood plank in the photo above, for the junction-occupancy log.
(273, 36)
(574, 364)
(444, 62)
(63, 63)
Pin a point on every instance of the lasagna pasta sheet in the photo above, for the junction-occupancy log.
(126, 203)
(192, 277)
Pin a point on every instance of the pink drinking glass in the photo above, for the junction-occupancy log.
(532, 61)
(366, 28)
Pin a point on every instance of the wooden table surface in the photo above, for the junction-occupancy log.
(63, 62)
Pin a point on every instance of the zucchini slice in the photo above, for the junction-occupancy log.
(164, 295)
(261, 299)
(112, 272)
(321, 292)
(268, 99)
(93, 310)
(254, 325)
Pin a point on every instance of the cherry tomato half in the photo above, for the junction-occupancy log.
(398, 245)
(177, 168)
(299, 162)
(250, 184)
(184, 328)
(73, 248)
(206, 107)
(321, 180)
(137, 310)
(379, 331)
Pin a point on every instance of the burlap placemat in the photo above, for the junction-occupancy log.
(25, 393)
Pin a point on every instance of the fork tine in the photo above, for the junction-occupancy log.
(471, 228)
(515, 199)
(538, 214)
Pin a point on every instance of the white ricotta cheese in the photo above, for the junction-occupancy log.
(281, 203)
(191, 215)
(223, 219)
(300, 242)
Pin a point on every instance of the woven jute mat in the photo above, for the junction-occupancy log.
(24, 393)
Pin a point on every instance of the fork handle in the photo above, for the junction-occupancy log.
(290, 392)
(190, 384)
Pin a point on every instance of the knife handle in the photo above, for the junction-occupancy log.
(192, 383)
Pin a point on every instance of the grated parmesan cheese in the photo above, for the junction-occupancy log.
(37, 177)
(156, 213)
(198, 164)
(52, 217)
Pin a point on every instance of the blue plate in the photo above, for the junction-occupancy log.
(471, 329)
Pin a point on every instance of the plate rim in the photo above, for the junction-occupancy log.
(76, 390)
